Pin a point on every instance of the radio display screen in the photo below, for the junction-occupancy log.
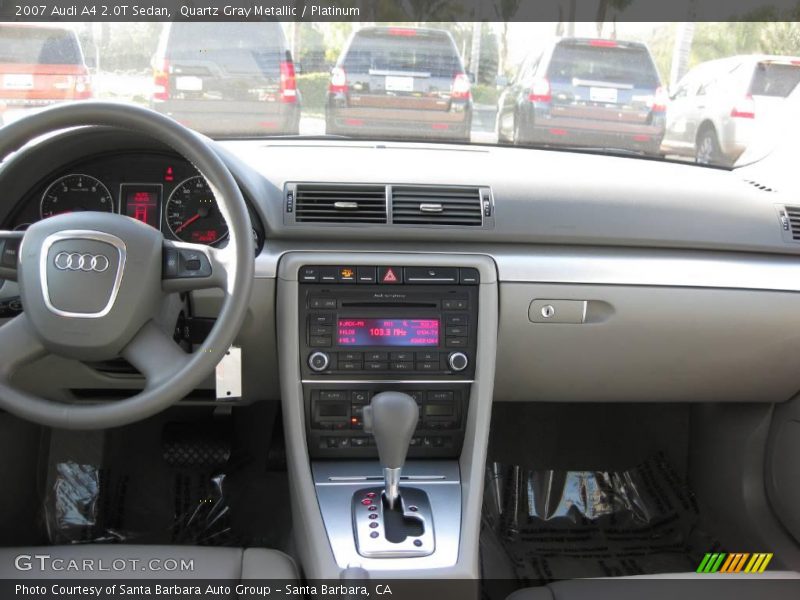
(388, 332)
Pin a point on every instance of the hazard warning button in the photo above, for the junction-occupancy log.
(390, 275)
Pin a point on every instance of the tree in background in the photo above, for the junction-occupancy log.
(489, 53)
(505, 10)
(603, 9)
(311, 53)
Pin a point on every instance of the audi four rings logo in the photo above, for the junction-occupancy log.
(74, 261)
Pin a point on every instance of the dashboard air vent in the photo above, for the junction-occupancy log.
(436, 205)
(347, 204)
(791, 221)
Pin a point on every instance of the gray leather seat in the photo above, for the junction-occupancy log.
(775, 585)
(123, 561)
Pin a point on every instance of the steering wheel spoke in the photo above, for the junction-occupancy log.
(189, 267)
(18, 345)
(155, 354)
(9, 251)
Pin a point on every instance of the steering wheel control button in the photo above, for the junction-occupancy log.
(9, 252)
(458, 361)
(182, 263)
(319, 361)
(81, 272)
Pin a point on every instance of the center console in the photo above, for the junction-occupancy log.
(368, 329)
(384, 360)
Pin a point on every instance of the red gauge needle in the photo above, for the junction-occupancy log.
(187, 222)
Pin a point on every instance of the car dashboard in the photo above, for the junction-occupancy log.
(463, 276)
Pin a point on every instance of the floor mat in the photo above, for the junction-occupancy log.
(162, 482)
(572, 524)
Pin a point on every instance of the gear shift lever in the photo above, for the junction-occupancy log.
(391, 417)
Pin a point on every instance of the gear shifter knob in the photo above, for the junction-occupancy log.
(391, 417)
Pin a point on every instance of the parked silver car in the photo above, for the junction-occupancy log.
(717, 107)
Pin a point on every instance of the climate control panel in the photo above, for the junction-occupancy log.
(335, 426)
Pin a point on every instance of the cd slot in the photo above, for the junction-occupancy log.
(373, 304)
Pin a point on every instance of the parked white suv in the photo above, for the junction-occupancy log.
(716, 108)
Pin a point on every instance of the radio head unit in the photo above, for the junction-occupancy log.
(388, 322)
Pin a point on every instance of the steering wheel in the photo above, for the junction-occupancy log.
(92, 283)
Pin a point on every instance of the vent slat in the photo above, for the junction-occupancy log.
(461, 206)
(315, 203)
(793, 214)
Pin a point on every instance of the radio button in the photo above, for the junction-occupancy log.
(376, 356)
(320, 341)
(458, 361)
(319, 361)
(351, 356)
(321, 319)
(401, 366)
(366, 275)
(427, 366)
(455, 304)
(322, 303)
(349, 365)
(427, 356)
(456, 319)
(376, 366)
(320, 330)
(456, 342)
(456, 330)
(401, 356)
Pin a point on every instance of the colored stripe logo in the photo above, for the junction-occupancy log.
(736, 562)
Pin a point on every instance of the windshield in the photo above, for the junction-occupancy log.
(692, 92)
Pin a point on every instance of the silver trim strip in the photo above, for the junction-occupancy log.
(82, 234)
(588, 265)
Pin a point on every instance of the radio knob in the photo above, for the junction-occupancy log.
(319, 361)
(458, 361)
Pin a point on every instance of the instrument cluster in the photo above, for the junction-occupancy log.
(161, 190)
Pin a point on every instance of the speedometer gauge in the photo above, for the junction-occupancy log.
(193, 214)
(75, 193)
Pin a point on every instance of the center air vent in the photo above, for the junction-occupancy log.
(436, 205)
(331, 203)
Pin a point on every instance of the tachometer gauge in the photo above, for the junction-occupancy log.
(193, 214)
(75, 193)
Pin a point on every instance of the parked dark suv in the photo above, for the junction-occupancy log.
(586, 92)
(400, 81)
(227, 79)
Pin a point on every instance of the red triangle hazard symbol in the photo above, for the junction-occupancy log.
(389, 277)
